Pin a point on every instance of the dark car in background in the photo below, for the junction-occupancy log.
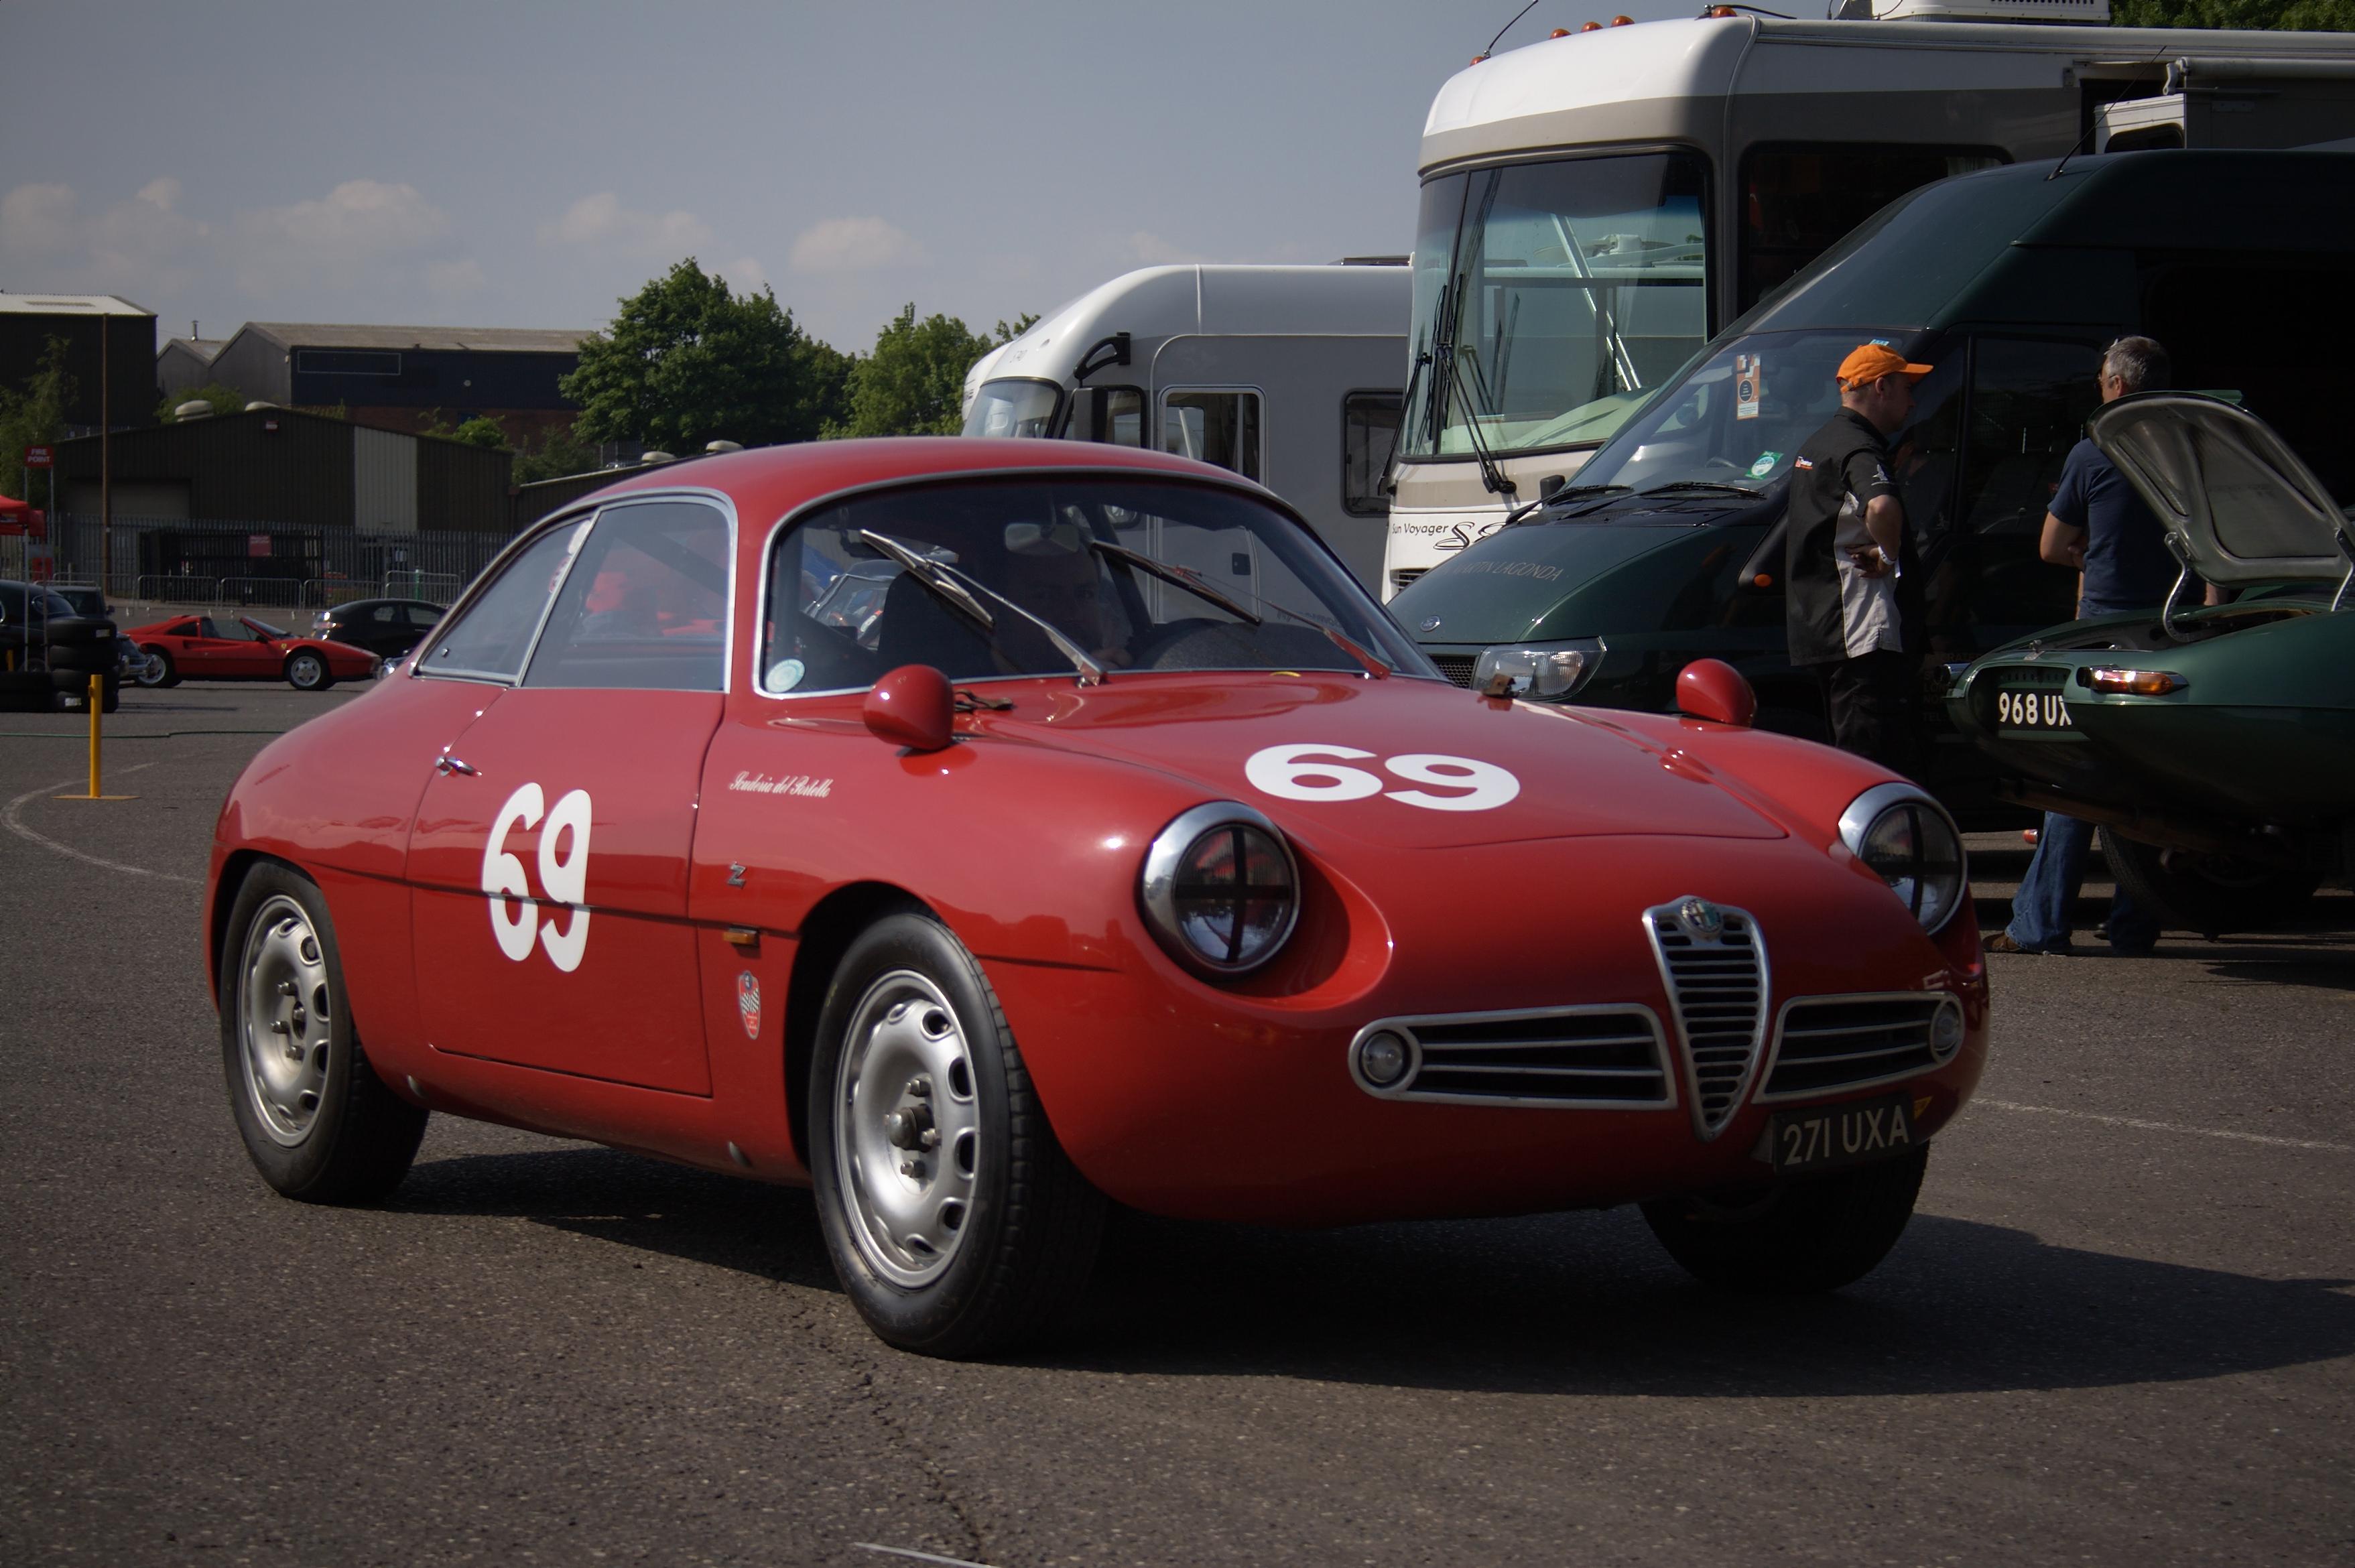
(385, 627)
(87, 599)
(47, 652)
(1666, 545)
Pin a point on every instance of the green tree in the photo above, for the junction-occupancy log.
(688, 362)
(2281, 16)
(224, 398)
(1009, 334)
(913, 384)
(560, 452)
(35, 416)
(481, 430)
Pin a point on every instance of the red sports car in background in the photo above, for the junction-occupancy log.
(982, 831)
(238, 648)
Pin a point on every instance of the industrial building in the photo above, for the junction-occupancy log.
(400, 377)
(110, 353)
(184, 364)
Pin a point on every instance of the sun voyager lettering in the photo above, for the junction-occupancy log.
(799, 783)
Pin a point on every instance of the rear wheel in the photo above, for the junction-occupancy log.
(2210, 894)
(1815, 1235)
(157, 669)
(307, 671)
(319, 1124)
(955, 1221)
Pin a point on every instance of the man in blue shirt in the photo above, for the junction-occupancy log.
(2099, 526)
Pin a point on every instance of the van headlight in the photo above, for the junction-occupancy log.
(1902, 833)
(1220, 889)
(1542, 672)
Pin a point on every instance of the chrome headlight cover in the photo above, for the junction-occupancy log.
(1185, 914)
(1538, 672)
(1904, 834)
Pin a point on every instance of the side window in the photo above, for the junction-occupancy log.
(384, 615)
(1370, 430)
(492, 639)
(1111, 415)
(425, 617)
(1798, 199)
(1216, 427)
(645, 605)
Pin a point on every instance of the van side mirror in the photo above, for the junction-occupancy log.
(1714, 691)
(914, 707)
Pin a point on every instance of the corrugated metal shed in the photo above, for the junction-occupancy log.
(384, 482)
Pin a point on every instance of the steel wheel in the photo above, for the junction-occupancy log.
(907, 1144)
(307, 671)
(284, 1017)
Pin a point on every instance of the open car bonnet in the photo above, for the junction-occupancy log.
(2237, 503)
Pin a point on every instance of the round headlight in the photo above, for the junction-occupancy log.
(1220, 889)
(1908, 838)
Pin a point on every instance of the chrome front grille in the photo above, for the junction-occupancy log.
(1714, 964)
(1848, 1042)
(1456, 667)
(1591, 1058)
(1406, 575)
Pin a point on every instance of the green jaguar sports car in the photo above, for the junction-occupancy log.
(2214, 745)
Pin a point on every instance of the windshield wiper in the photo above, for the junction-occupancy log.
(1715, 484)
(1183, 577)
(956, 588)
(1523, 514)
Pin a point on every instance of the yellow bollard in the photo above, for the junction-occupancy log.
(97, 707)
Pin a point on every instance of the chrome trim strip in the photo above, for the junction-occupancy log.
(1941, 1000)
(1405, 1027)
(1751, 1076)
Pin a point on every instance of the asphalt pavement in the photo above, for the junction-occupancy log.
(2120, 1329)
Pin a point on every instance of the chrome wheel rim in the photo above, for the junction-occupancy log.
(305, 671)
(284, 1020)
(907, 1128)
(150, 670)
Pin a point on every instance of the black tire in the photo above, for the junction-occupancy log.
(353, 1138)
(1809, 1235)
(159, 670)
(308, 671)
(2207, 894)
(1024, 1239)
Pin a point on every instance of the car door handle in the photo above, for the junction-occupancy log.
(446, 766)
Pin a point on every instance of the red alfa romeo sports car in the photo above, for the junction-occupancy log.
(982, 832)
(238, 648)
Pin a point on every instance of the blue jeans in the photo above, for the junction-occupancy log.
(2040, 913)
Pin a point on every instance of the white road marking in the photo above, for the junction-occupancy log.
(14, 819)
(919, 1556)
(2168, 1126)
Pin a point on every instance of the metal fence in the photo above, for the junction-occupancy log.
(265, 565)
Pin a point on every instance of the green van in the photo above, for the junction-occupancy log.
(1668, 546)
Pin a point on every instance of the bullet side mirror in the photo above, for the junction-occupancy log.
(1714, 691)
(914, 707)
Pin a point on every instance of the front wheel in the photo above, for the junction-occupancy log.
(319, 1124)
(955, 1221)
(1815, 1235)
(307, 671)
(155, 669)
(2210, 894)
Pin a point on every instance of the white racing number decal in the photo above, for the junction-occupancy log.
(564, 877)
(1322, 772)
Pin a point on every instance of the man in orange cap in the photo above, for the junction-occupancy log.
(1844, 550)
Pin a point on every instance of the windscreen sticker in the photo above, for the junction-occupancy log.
(1765, 464)
(1749, 386)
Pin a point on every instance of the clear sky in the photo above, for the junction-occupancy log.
(524, 163)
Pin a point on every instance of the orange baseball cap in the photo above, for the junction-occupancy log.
(1869, 362)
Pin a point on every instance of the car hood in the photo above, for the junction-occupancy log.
(2237, 503)
(1574, 774)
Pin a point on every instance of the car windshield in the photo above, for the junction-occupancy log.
(1016, 407)
(1549, 296)
(1739, 416)
(1240, 587)
(264, 627)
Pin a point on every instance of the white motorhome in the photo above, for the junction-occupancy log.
(1287, 375)
(1596, 207)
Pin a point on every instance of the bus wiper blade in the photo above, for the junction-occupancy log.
(1183, 577)
(1714, 485)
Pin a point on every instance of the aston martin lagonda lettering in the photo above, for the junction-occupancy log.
(1091, 838)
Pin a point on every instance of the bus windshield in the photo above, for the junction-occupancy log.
(1549, 297)
(1015, 406)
